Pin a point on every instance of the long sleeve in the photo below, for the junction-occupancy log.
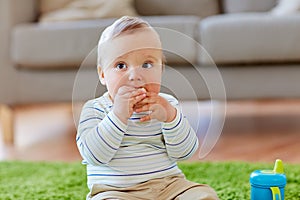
(99, 134)
(180, 138)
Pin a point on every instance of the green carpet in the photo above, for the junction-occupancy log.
(48, 181)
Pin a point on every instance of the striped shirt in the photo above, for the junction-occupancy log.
(123, 155)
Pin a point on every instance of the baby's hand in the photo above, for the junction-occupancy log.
(124, 101)
(160, 108)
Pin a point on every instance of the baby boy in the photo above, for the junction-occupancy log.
(131, 137)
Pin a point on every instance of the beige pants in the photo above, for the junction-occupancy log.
(168, 188)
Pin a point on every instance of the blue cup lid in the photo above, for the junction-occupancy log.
(268, 178)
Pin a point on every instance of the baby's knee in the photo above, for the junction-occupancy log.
(202, 192)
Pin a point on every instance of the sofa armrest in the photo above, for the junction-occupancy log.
(12, 12)
(238, 6)
(16, 11)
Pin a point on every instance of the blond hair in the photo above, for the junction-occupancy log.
(124, 24)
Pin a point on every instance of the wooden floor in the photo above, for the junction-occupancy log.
(255, 131)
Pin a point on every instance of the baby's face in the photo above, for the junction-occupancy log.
(133, 60)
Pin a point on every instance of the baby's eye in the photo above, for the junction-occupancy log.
(147, 65)
(121, 66)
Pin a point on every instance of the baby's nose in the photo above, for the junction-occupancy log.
(135, 74)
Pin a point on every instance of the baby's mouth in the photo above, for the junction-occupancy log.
(141, 88)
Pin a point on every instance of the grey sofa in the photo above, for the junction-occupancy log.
(256, 53)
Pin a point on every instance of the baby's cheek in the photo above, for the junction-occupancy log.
(113, 90)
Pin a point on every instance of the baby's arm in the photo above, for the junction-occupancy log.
(99, 134)
(180, 138)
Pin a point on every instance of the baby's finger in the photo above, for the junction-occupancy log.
(145, 118)
(138, 98)
(125, 89)
(152, 94)
(138, 92)
(133, 100)
(148, 100)
(141, 103)
(142, 108)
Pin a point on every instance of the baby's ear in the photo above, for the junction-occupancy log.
(101, 75)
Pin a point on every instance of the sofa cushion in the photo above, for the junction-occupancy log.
(177, 34)
(202, 8)
(286, 7)
(55, 45)
(250, 38)
(235, 6)
(46, 6)
(90, 9)
(66, 44)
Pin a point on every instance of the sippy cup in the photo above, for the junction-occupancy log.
(268, 184)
